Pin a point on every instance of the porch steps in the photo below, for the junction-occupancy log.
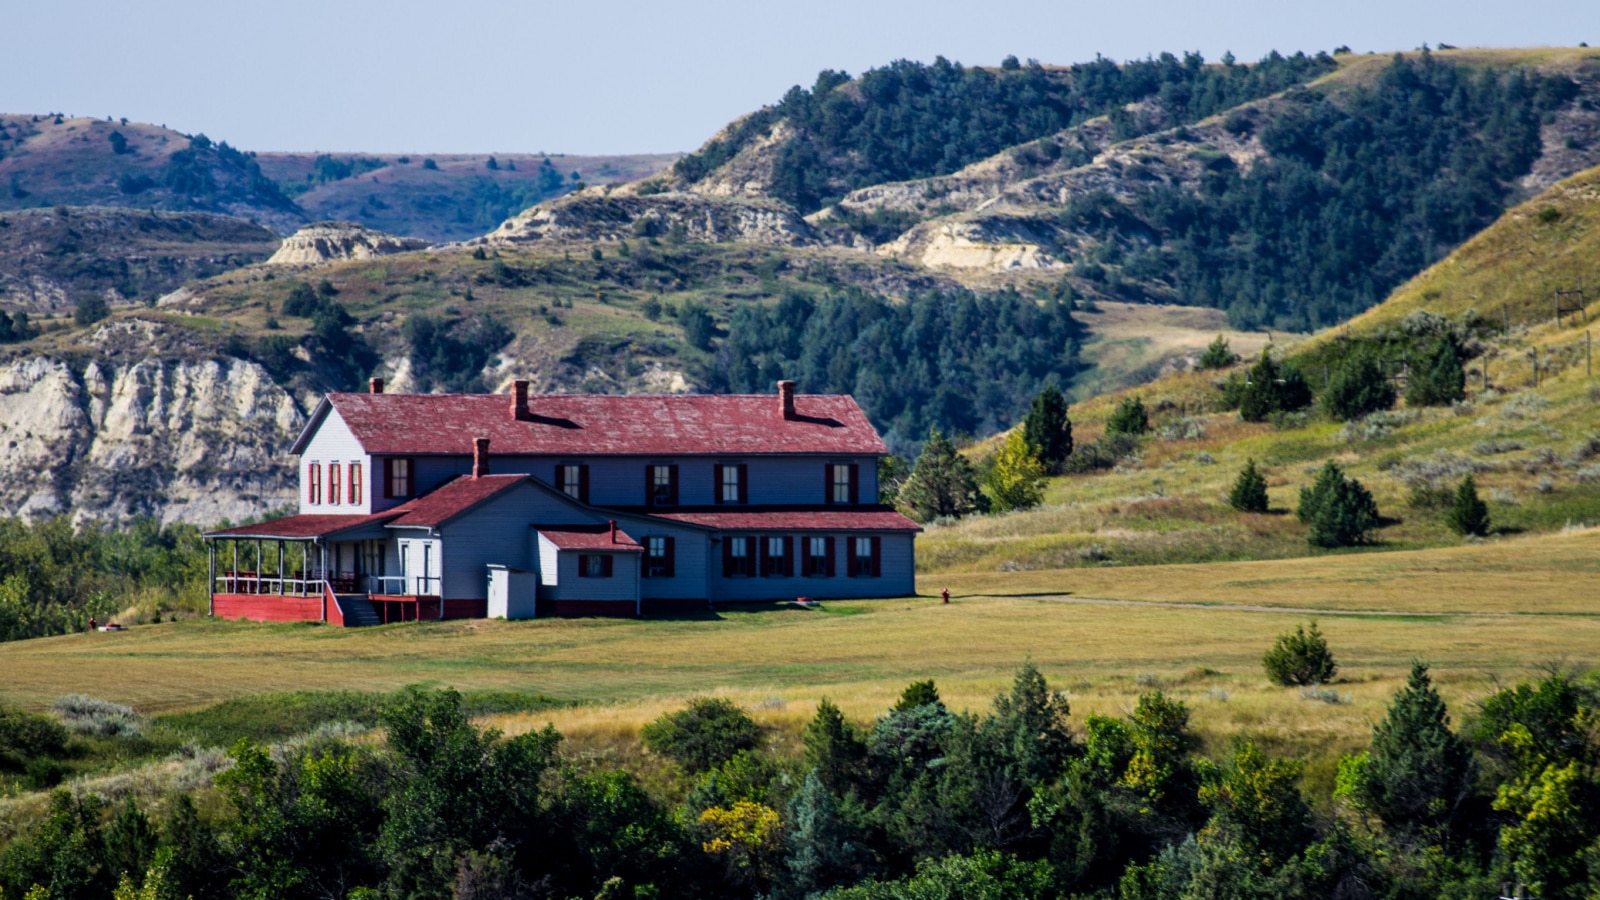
(358, 611)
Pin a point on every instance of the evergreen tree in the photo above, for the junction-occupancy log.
(942, 483)
(1271, 389)
(1129, 418)
(1249, 493)
(1016, 480)
(833, 748)
(1338, 511)
(919, 693)
(1357, 387)
(1438, 380)
(130, 841)
(1469, 515)
(1256, 802)
(1300, 658)
(91, 308)
(823, 851)
(1218, 355)
(1417, 771)
(1048, 430)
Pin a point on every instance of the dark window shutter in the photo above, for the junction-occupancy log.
(649, 485)
(672, 486)
(877, 556)
(605, 565)
(855, 483)
(849, 555)
(827, 482)
(583, 484)
(744, 483)
(671, 563)
(560, 481)
(583, 566)
(716, 483)
(830, 556)
(761, 555)
(727, 555)
(388, 479)
(788, 557)
(805, 556)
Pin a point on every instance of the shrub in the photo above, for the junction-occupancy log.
(1219, 355)
(1339, 510)
(1439, 379)
(1300, 658)
(302, 301)
(86, 715)
(1469, 514)
(1129, 418)
(1017, 479)
(703, 735)
(27, 737)
(1249, 492)
(91, 309)
(698, 326)
(1268, 389)
(1356, 388)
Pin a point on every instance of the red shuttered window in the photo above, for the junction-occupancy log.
(333, 483)
(314, 484)
(355, 483)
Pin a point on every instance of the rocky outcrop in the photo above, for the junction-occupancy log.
(192, 441)
(332, 241)
(602, 214)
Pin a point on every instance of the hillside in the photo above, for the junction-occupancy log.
(51, 160)
(1533, 451)
(51, 257)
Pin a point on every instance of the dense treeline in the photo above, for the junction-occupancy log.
(914, 120)
(54, 576)
(1013, 802)
(959, 361)
(213, 175)
(1361, 191)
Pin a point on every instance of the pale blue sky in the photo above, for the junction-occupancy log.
(622, 76)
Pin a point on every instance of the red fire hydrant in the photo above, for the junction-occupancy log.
(946, 595)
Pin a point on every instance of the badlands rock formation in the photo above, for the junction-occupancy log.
(194, 441)
(330, 241)
(603, 214)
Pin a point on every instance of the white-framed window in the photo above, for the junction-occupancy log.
(839, 483)
(661, 493)
(594, 566)
(570, 478)
(333, 483)
(314, 483)
(355, 483)
(658, 558)
(730, 484)
(863, 562)
(775, 562)
(816, 558)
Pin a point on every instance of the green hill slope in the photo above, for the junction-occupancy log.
(1533, 451)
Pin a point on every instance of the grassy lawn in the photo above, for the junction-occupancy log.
(1476, 613)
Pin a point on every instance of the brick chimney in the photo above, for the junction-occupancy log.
(786, 398)
(613, 531)
(519, 401)
(374, 385)
(480, 457)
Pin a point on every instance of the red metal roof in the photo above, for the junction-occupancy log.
(588, 424)
(452, 498)
(794, 519)
(588, 537)
(306, 526)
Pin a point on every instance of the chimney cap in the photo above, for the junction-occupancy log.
(786, 398)
(519, 400)
(374, 385)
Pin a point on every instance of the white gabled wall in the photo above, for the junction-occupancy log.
(332, 443)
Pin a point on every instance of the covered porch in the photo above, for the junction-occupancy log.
(309, 569)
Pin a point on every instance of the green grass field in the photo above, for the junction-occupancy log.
(1476, 613)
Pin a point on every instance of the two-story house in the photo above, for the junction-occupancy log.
(418, 506)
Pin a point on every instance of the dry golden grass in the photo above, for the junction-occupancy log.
(1447, 606)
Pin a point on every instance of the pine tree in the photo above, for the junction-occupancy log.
(1469, 515)
(833, 748)
(1249, 492)
(1048, 430)
(943, 483)
(919, 693)
(1016, 480)
(1439, 380)
(1271, 389)
(1417, 771)
(1356, 388)
(1338, 511)
(823, 852)
(1219, 355)
(1300, 658)
(1129, 418)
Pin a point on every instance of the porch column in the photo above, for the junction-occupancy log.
(234, 581)
(282, 587)
(211, 585)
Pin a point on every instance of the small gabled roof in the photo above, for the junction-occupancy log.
(602, 425)
(772, 518)
(589, 537)
(450, 499)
